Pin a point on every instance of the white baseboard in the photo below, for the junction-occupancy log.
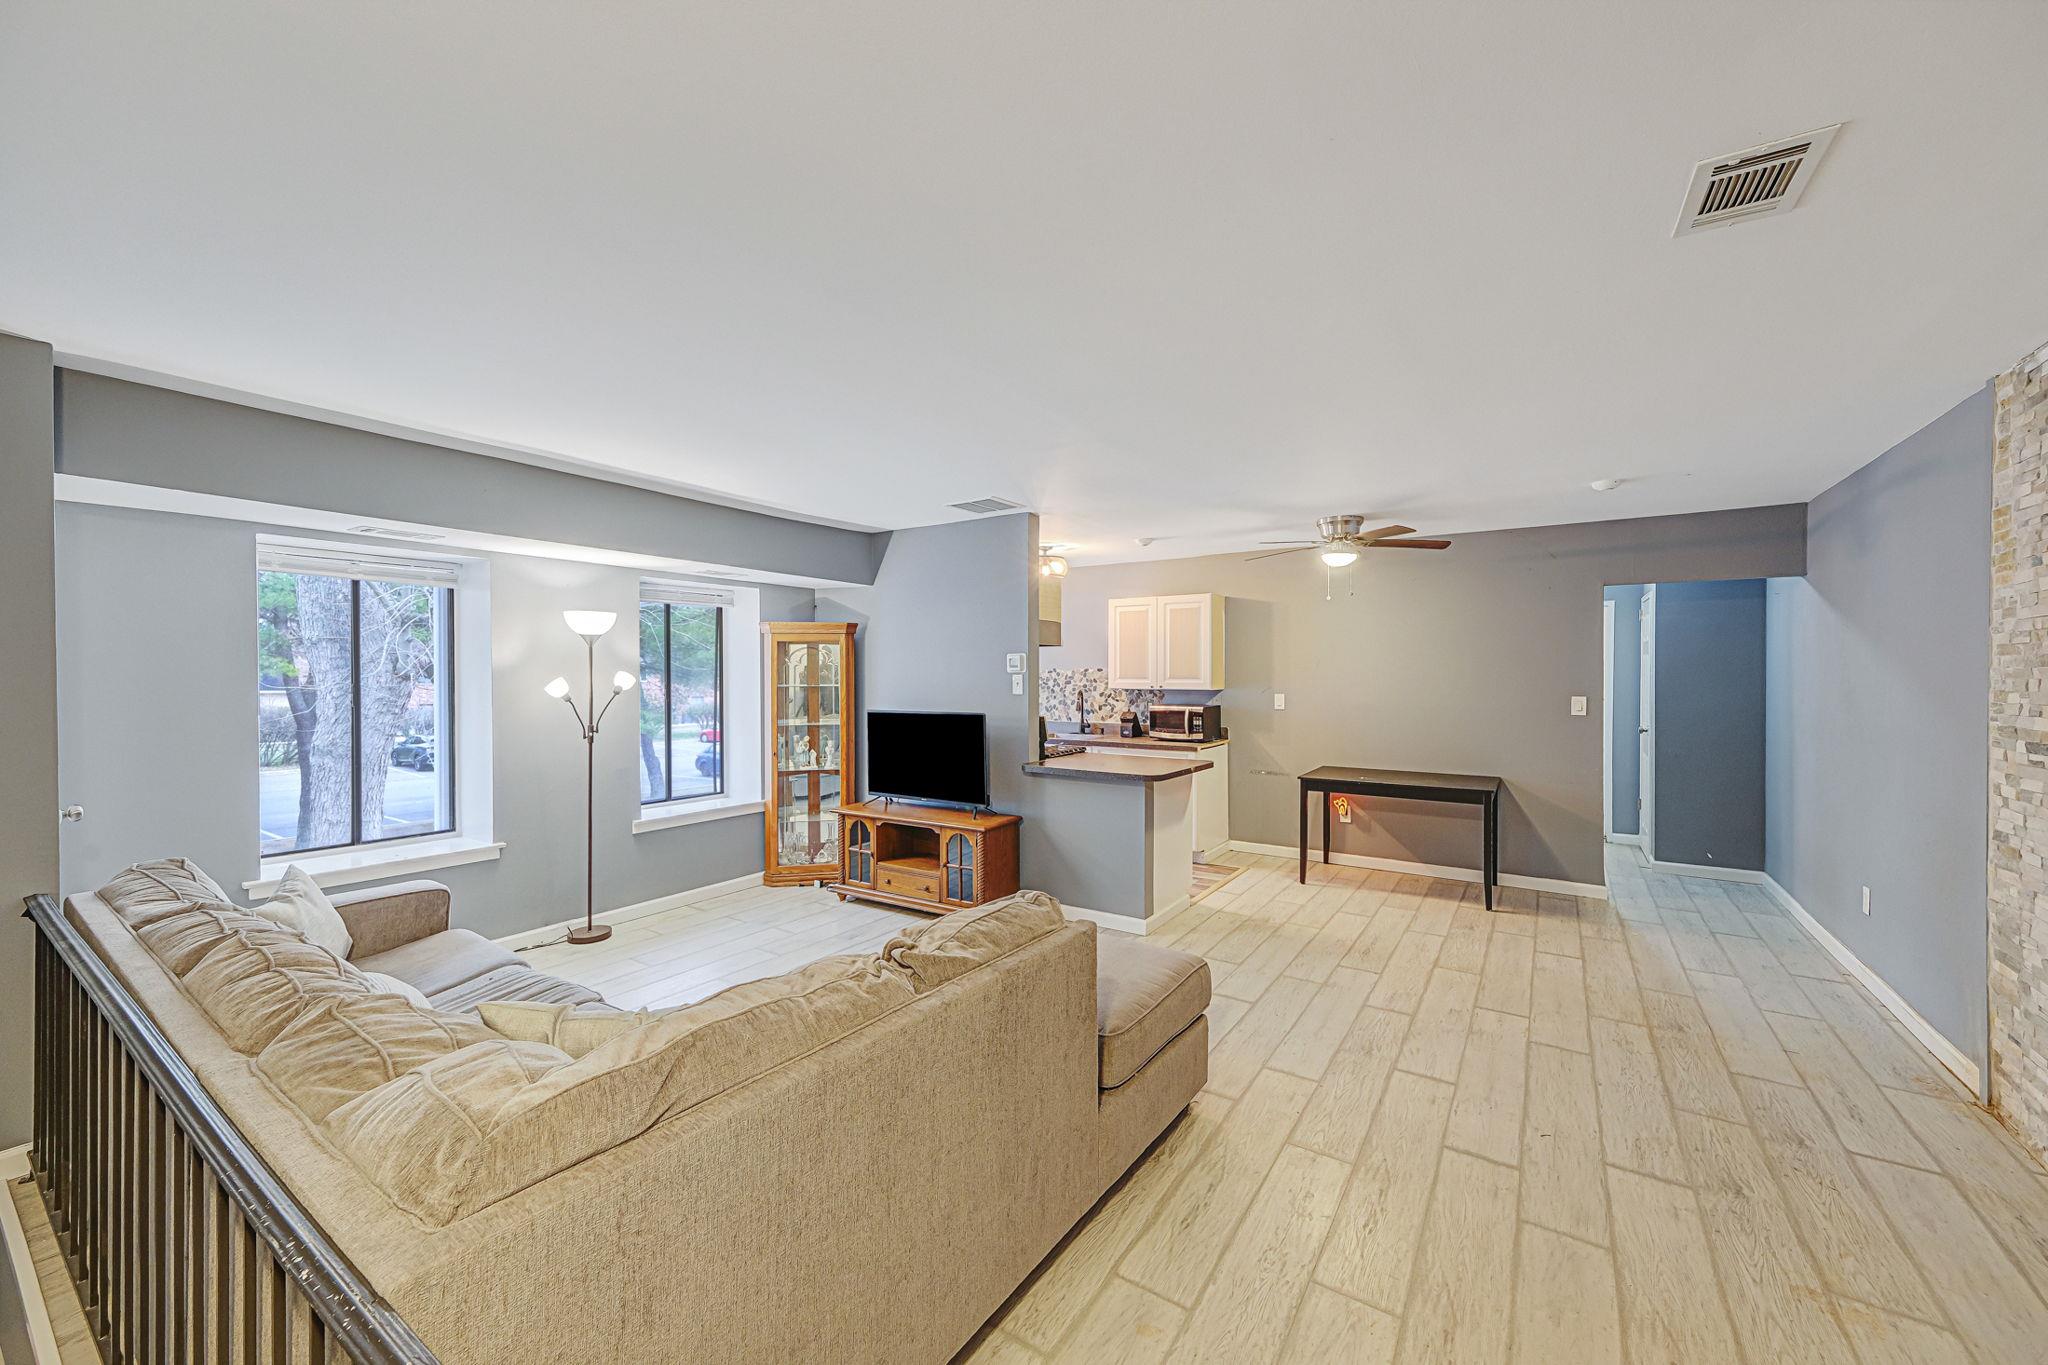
(1719, 874)
(1930, 1037)
(1129, 924)
(1635, 839)
(42, 1336)
(547, 933)
(1590, 890)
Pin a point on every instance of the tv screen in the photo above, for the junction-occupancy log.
(928, 756)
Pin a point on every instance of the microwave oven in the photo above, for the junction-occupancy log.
(1174, 721)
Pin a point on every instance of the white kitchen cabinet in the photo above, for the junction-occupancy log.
(1133, 642)
(1168, 642)
(1211, 817)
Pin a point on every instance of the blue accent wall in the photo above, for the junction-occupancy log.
(1625, 779)
(1710, 724)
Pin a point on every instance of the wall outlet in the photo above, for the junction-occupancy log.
(1578, 706)
(1016, 684)
(1279, 701)
(1866, 900)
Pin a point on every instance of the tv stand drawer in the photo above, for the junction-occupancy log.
(908, 877)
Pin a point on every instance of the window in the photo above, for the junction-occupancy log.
(682, 683)
(355, 719)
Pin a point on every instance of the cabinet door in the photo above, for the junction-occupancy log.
(860, 852)
(1133, 642)
(1186, 645)
(960, 869)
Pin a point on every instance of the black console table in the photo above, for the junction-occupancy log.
(1465, 789)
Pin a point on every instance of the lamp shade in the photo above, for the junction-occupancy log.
(558, 689)
(1337, 559)
(590, 624)
(622, 681)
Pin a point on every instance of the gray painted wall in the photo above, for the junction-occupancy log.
(166, 767)
(1628, 704)
(28, 704)
(1459, 661)
(1710, 724)
(113, 429)
(947, 605)
(1877, 767)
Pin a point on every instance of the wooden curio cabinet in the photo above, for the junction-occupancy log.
(810, 747)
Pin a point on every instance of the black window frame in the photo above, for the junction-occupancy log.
(668, 755)
(444, 665)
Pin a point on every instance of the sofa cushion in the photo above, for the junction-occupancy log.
(416, 1136)
(576, 1029)
(441, 1154)
(516, 982)
(147, 889)
(1145, 994)
(955, 943)
(182, 936)
(440, 961)
(348, 1045)
(256, 981)
(299, 903)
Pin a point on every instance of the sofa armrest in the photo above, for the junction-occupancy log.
(381, 918)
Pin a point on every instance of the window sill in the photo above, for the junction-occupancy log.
(348, 866)
(676, 813)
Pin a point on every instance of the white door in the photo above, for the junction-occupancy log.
(1607, 717)
(1184, 641)
(1646, 725)
(1133, 642)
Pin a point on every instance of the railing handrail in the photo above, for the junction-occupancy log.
(363, 1324)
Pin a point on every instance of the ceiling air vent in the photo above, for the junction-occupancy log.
(1753, 183)
(982, 506)
(394, 533)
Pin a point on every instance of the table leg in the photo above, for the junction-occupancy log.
(1303, 845)
(1326, 827)
(1492, 870)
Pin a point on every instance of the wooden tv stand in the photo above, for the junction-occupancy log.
(930, 858)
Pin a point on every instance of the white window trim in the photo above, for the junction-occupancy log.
(375, 862)
(471, 839)
(694, 811)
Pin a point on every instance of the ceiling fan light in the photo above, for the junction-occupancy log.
(1052, 566)
(1337, 556)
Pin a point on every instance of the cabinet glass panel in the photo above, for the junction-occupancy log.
(860, 853)
(959, 868)
(807, 750)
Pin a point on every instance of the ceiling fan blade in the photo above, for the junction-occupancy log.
(1409, 545)
(1290, 542)
(1386, 531)
(1295, 551)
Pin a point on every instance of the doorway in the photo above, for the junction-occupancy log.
(1623, 744)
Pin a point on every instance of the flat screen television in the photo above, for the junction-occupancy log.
(939, 756)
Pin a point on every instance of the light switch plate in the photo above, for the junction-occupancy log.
(1016, 684)
(1578, 706)
(1014, 662)
(1279, 701)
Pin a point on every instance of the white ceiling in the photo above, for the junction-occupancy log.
(1197, 273)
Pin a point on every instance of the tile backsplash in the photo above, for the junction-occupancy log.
(1084, 694)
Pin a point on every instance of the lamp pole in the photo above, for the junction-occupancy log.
(591, 625)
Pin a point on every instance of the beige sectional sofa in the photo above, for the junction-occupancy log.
(857, 1161)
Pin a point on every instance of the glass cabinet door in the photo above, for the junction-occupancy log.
(807, 751)
(860, 852)
(959, 868)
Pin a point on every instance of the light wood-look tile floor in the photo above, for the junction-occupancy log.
(1663, 1127)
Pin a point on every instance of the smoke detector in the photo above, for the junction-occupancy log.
(1756, 182)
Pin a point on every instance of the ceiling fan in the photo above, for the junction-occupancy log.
(1343, 537)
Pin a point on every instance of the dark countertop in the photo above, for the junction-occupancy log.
(1119, 767)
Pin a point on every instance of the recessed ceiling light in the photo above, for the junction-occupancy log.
(1605, 485)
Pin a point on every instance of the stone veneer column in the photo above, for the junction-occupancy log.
(2019, 751)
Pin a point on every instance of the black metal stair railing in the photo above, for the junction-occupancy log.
(183, 1244)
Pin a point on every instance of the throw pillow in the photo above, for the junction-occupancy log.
(299, 903)
(575, 1029)
(388, 984)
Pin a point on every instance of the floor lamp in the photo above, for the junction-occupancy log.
(591, 625)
